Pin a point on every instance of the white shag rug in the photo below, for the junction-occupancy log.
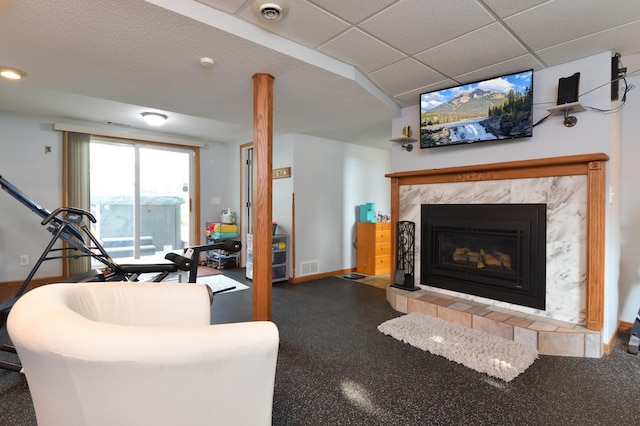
(483, 352)
(220, 282)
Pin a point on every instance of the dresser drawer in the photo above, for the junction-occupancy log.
(383, 226)
(382, 249)
(383, 236)
(382, 261)
(382, 265)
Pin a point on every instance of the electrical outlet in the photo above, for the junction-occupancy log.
(24, 260)
(611, 194)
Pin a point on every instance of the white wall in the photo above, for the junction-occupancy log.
(215, 194)
(25, 164)
(550, 139)
(331, 180)
(630, 198)
(363, 170)
(595, 132)
(283, 189)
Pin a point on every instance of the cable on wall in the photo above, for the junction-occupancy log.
(626, 89)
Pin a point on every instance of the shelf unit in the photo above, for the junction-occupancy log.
(405, 141)
(566, 108)
(217, 258)
(279, 258)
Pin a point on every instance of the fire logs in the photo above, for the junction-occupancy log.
(482, 259)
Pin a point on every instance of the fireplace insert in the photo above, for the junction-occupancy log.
(497, 251)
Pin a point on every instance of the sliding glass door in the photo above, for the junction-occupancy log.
(141, 197)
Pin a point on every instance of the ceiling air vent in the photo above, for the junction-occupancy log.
(270, 11)
(115, 123)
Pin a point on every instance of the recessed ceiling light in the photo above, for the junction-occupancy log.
(11, 73)
(154, 118)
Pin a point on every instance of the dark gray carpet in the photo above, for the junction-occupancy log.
(336, 368)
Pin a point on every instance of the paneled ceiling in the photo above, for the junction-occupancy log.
(343, 69)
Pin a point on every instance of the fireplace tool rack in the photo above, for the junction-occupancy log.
(404, 276)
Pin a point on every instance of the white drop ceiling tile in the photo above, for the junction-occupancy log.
(412, 26)
(305, 23)
(360, 49)
(467, 53)
(558, 21)
(414, 74)
(407, 99)
(229, 6)
(623, 38)
(353, 11)
(504, 8)
(442, 84)
(521, 63)
(413, 97)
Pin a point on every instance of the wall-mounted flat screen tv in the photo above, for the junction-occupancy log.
(498, 108)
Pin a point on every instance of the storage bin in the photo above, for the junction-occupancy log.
(279, 257)
(367, 212)
(279, 272)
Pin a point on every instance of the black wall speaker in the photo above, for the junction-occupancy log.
(568, 89)
(615, 74)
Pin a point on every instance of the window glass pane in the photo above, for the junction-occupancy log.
(164, 200)
(112, 174)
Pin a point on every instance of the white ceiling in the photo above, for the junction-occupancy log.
(343, 69)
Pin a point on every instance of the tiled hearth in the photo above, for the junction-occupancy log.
(550, 337)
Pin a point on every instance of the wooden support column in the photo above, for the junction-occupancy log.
(395, 217)
(262, 196)
(292, 241)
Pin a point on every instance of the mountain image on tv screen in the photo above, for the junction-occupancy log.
(492, 109)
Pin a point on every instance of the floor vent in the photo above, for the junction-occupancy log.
(309, 267)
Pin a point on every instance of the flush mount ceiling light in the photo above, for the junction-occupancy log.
(270, 11)
(206, 62)
(154, 118)
(11, 73)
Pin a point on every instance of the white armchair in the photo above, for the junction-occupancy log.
(141, 354)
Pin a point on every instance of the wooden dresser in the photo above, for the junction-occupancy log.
(373, 242)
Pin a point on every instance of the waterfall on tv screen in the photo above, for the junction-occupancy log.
(469, 131)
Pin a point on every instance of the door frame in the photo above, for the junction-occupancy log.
(194, 177)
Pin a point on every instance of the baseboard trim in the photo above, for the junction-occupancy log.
(622, 326)
(625, 326)
(297, 280)
(8, 289)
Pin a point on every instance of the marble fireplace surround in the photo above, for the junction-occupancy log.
(573, 187)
